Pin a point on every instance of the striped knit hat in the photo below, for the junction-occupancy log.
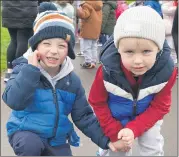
(53, 24)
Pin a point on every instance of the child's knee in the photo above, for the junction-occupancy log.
(26, 143)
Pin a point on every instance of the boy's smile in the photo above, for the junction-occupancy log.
(138, 55)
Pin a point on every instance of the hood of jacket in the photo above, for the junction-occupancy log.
(113, 4)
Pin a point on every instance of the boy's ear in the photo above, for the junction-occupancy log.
(158, 50)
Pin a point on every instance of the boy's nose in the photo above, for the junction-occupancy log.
(54, 50)
(138, 60)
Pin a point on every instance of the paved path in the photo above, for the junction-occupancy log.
(87, 148)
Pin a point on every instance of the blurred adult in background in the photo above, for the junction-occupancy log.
(154, 4)
(66, 7)
(121, 7)
(109, 19)
(168, 10)
(40, 1)
(18, 17)
(90, 13)
(175, 31)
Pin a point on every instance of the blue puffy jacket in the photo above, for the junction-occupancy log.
(43, 109)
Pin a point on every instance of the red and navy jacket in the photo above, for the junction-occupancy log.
(119, 101)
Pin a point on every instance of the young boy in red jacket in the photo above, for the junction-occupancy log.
(132, 89)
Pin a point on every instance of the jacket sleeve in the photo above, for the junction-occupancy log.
(98, 100)
(86, 12)
(20, 89)
(106, 12)
(86, 121)
(158, 108)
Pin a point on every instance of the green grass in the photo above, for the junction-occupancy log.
(5, 39)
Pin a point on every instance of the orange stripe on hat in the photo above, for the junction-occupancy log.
(49, 17)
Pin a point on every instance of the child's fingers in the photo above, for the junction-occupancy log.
(129, 144)
(37, 53)
(120, 134)
(111, 146)
(126, 138)
(125, 149)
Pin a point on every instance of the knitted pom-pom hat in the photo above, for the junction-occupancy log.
(53, 24)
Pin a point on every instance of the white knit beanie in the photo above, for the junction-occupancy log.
(140, 22)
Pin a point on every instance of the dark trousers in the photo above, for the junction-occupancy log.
(18, 44)
(25, 143)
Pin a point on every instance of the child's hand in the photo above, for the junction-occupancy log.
(127, 136)
(111, 146)
(34, 58)
(120, 146)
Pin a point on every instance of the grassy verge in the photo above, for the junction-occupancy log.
(4, 44)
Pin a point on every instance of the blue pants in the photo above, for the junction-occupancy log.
(104, 38)
(25, 143)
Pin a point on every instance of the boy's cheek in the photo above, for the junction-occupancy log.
(125, 61)
(127, 66)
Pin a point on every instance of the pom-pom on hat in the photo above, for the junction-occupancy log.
(53, 24)
(44, 6)
(140, 22)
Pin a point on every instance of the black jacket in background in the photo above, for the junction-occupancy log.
(175, 31)
(40, 1)
(19, 14)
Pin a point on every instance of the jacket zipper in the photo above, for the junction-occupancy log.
(57, 113)
(55, 101)
(135, 101)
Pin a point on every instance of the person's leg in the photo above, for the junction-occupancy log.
(23, 36)
(25, 143)
(11, 50)
(151, 142)
(87, 44)
(63, 150)
(103, 38)
(81, 48)
(94, 51)
(87, 50)
(81, 45)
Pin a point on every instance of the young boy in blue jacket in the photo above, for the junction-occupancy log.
(43, 90)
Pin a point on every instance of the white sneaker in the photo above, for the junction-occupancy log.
(99, 44)
(80, 54)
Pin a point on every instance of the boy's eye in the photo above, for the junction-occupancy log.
(46, 43)
(129, 51)
(146, 51)
(61, 46)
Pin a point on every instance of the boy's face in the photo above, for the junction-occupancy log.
(52, 52)
(138, 55)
